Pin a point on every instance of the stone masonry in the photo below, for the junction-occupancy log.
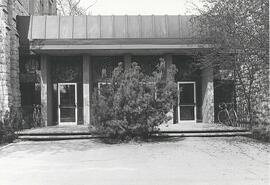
(9, 46)
(9, 54)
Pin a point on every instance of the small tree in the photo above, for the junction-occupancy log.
(239, 32)
(10, 121)
(133, 104)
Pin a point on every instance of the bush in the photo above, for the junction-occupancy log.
(133, 104)
(261, 132)
(10, 121)
(32, 117)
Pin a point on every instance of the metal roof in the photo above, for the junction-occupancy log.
(111, 27)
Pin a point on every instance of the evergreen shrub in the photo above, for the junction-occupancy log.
(130, 105)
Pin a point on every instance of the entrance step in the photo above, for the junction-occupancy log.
(41, 137)
(202, 134)
(83, 135)
(203, 131)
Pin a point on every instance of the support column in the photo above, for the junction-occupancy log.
(46, 90)
(127, 61)
(207, 95)
(87, 81)
(168, 63)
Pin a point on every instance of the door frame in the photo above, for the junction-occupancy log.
(76, 107)
(178, 102)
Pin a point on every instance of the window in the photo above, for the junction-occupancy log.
(147, 63)
(103, 87)
(104, 65)
(30, 94)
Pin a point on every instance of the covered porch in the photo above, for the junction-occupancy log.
(73, 52)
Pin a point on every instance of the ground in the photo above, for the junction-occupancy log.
(207, 161)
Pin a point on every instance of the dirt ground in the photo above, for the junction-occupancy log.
(198, 161)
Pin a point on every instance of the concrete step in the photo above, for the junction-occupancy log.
(86, 133)
(160, 134)
(204, 134)
(203, 131)
(55, 137)
(53, 134)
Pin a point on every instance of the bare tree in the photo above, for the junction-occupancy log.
(74, 7)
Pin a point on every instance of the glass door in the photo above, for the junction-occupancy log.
(186, 102)
(67, 103)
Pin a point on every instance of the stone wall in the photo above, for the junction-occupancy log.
(9, 47)
(4, 60)
(9, 54)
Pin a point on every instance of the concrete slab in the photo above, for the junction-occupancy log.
(164, 127)
(57, 129)
(199, 161)
(198, 127)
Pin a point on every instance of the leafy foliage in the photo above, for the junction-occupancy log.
(10, 121)
(133, 104)
(239, 31)
(261, 132)
(32, 117)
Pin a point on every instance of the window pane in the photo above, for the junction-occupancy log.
(186, 93)
(67, 95)
(147, 63)
(187, 113)
(67, 114)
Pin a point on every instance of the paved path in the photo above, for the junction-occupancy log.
(206, 161)
(164, 127)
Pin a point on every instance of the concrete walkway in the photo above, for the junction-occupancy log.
(164, 127)
(197, 127)
(198, 161)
